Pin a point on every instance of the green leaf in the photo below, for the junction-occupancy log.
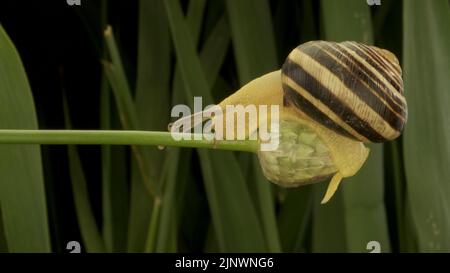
(167, 223)
(349, 21)
(426, 67)
(114, 181)
(328, 222)
(140, 213)
(294, 217)
(3, 242)
(365, 213)
(153, 74)
(22, 192)
(253, 40)
(266, 208)
(396, 195)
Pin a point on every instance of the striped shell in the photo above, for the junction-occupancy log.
(351, 88)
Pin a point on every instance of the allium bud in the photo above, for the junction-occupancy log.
(301, 157)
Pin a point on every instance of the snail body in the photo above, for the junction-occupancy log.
(332, 98)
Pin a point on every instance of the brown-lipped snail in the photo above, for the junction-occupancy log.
(332, 97)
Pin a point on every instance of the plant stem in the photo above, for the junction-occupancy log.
(119, 137)
(150, 241)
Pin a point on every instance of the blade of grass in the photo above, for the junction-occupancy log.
(156, 44)
(188, 211)
(173, 200)
(328, 222)
(140, 213)
(426, 66)
(184, 180)
(153, 225)
(92, 239)
(387, 25)
(294, 217)
(152, 91)
(152, 106)
(127, 111)
(234, 217)
(211, 245)
(107, 203)
(149, 176)
(194, 19)
(212, 56)
(402, 227)
(114, 184)
(365, 212)
(193, 210)
(362, 213)
(3, 242)
(121, 87)
(266, 207)
(140, 210)
(22, 189)
(252, 60)
(356, 19)
(169, 202)
(256, 55)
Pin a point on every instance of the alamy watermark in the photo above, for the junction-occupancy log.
(374, 247)
(74, 247)
(374, 2)
(73, 2)
(233, 122)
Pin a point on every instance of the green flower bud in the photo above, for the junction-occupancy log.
(301, 157)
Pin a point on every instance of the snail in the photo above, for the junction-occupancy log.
(332, 97)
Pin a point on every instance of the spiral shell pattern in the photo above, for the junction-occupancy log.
(351, 88)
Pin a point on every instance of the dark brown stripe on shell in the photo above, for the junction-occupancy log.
(381, 58)
(375, 80)
(353, 83)
(305, 106)
(359, 70)
(384, 62)
(375, 55)
(377, 67)
(311, 85)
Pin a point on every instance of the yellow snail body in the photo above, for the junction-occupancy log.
(332, 98)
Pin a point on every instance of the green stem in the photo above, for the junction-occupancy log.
(151, 239)
(106, 137)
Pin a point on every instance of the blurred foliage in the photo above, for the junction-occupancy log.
(160, 53)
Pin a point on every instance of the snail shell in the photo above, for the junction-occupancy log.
(350, 88)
